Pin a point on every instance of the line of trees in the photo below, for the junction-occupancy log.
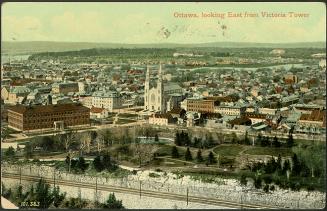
(42, 196)
(183, 139)
(306, 169)
(188, 156)
(104, 162)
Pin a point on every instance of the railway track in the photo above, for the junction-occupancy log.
(148, 193)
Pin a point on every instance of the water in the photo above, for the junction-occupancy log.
(285, 66)
(12, 58)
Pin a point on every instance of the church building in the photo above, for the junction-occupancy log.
(160, 97)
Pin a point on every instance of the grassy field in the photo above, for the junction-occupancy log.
(269, 151)
(229, 150)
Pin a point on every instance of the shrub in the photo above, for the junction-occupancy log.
(243, 180)
(272, 187)
(266, 188)
(153, 175)
(188, 155)
(267, 179)
(113, 203)
(258, 182)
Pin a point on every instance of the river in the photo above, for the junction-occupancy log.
(7, 58)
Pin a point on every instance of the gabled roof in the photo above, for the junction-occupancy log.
(48, 108)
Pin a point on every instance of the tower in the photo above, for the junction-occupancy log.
(154, 96)
(146, 88)
(160, 104)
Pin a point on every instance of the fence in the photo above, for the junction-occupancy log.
(283, 199)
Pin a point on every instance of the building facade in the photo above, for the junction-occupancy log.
(160, 97)
(107, 100)
(200, 105)
(153, 96)
(230, 110)
(44, 116)
(65, 88)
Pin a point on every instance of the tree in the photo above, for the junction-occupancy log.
(286, 166)
(266, 188)
(7, 193)
(243, 180)
(279, 163)
(276, 143)
(178, 139)
(199, 157)
(113, 203)
(174, 152)
(10, 152)
(257, 182)
(81, 164)
(108, 163)
(58, 197)
(43, 194)
(211, 158)
(246, 139)
(188, 155)
(143, 152)
(264, 141)
(196, 142)
(290, 141)
(28, 150)
(296, 165)
(312, 159)
(259, 138)
(156, 138)
(97, 163)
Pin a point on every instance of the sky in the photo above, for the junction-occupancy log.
(119, 22)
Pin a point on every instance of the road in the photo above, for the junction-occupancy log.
(148, 193)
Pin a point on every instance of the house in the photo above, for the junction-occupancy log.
(161, 119)
(4, 92)
(98, 113)
(17, 93)
(255, 118)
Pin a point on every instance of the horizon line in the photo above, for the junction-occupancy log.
(16, 41)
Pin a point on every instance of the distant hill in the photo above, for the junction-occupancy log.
(11, 48)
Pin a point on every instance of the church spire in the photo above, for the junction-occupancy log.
(147, 73)
(160, 72)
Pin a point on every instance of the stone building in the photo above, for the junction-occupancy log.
(45, 116)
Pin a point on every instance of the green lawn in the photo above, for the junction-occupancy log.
(164, 150)
(228, 150)
(269, 151)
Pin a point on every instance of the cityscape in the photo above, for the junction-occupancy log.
(179, 120)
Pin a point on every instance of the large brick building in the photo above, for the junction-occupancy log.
(65, 88)
(45, 116)
(200, 105)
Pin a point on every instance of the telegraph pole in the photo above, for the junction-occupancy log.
(20, 175)
(96, 190)
(187, 196)
(54, 178)
(140, 188)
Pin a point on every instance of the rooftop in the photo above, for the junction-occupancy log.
(48, 108)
